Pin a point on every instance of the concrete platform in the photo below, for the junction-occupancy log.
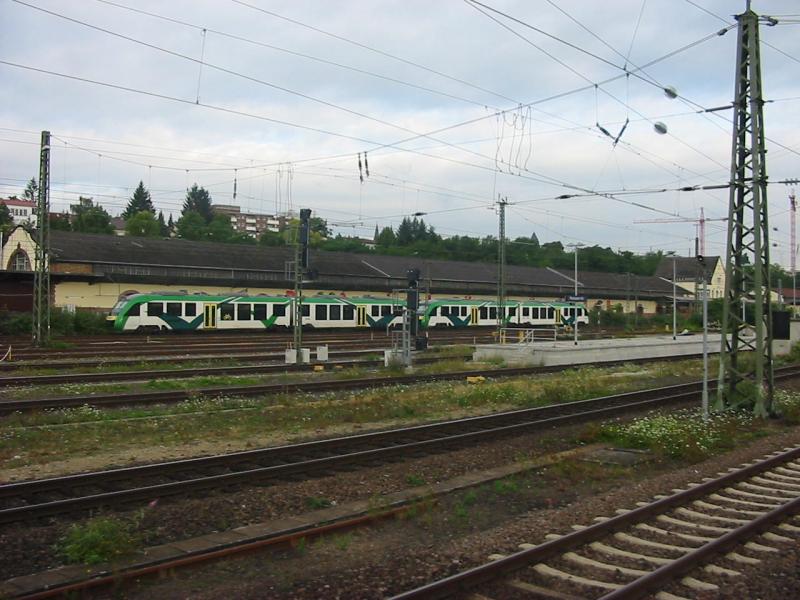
(550, 353)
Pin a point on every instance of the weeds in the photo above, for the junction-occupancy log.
(98, 540)
(317, 502)
(683, 434)
(413, 479)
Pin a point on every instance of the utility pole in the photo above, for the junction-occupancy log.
(793, 215)
(501, 265)
(575, 296)
(300, 265)
(41, 276)
(748, 239)
(674, 302)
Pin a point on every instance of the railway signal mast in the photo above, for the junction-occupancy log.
(700, 223)
(41, 276)
(747, 248)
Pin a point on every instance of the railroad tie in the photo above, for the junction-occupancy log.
(687, 512)
(738, 511)
(741, 558)
(614, 551)
(596, 564)
(774, 537)
(788, 527)
(697, 539)
(737, 492)
(690, 525)
(722, 498)
(753, 486)
(549, 571)
(697, 584)
(524, 586)
(631, 539)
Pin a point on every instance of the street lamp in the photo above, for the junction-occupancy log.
(575, 297)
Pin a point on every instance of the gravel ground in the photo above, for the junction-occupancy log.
(387, 559)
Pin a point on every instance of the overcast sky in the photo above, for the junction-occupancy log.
(290, 92)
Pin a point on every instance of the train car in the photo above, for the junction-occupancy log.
(195, 312)
(173, 312)
(483, 313)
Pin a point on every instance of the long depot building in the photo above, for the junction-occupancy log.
(90, 272)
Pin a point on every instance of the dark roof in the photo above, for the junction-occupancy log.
(455, 276)
(686, 267)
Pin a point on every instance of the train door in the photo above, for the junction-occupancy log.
(361, 316)
(473, 315)
(209, 316)
(558, 317)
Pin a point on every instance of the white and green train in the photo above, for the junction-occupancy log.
(176, 312)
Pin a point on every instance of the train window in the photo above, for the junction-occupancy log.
(279, 310)
(492, 312)
(321, 312)
(226, 312)
(348, 313)
(551, 313)
(243, 312)
(444, 311)
(155, 308)
(134, 310)
(512, 312)
(463, 311)
(336, 312)
(259, 312)
(376, 311)
(306, 310)
(190, 309)
(386, 311)
(484, 312)
(174, 309)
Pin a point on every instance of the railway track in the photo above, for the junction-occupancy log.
(172, 396)
(260, 368)
(28, 500)
(689, 542)
(184, 344)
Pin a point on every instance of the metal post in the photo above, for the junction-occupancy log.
(674, 303)
(705, 347)
(41, 277)
(501, 265)
(747, 266)
(574, 308)
(298, 303)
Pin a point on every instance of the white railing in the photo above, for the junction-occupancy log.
(526, 337)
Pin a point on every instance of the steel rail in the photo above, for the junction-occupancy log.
(330, 454)
(488, 572)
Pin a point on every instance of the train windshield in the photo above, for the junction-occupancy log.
(118, 307)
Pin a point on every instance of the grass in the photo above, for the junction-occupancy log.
(55, 435)
(98, 540)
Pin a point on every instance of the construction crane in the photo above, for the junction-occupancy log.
(700, 224)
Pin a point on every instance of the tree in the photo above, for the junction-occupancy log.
(6, 220)
(143, 224)
(320, 226)
(139, 201)
(170, 225)
(198, 200)
(386, 238)
(220, 229)
(271, 238)
(60, 222)
(90, 218)
(163, 229)
(31, 190)
(191, 226)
